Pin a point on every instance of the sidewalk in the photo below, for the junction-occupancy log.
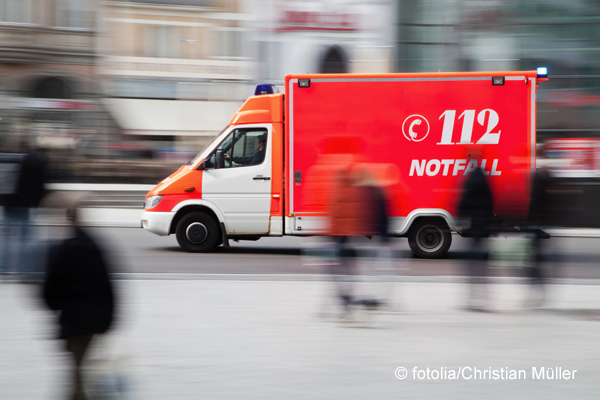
(236, 339)
(93, 217)
(130, 218)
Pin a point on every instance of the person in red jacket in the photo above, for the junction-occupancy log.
(355, 209)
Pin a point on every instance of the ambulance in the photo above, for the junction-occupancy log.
(253, 179)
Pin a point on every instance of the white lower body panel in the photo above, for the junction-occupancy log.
(276, 226)
(300, 225)
(158, 223)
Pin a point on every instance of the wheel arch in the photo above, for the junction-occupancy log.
(429, 218)
(434, 213)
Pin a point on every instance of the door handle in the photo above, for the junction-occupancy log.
(261, 178)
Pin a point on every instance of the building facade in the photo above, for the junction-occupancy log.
(328, 36)
(49, 91)
(175, 70)
(497, 35)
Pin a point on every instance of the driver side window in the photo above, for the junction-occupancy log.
(243, 148)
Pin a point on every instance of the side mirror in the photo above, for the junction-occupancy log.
(202, 166)
(220, 158)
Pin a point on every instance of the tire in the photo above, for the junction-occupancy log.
(429, 238)
(198, 232)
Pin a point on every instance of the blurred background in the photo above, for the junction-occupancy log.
(103, 86)
(123, 92)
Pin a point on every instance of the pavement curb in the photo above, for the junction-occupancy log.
(327, 278)
(158, 276)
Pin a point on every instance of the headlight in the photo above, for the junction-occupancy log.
(152, 201)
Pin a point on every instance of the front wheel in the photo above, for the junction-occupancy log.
(198, 232)
(429, 238)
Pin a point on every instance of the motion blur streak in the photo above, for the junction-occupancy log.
(110, 97)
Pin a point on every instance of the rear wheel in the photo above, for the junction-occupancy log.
(429, 238)
(198, 232)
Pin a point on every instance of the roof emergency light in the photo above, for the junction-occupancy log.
(542, 72)
(265, 88)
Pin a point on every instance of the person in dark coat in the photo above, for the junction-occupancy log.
(29, 191)
(78, 286)
(32, 180)
(540, 216)
(478, 204)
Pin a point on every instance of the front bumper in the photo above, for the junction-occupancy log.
(156, 222)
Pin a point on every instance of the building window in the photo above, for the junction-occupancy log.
(75, 13)
(227, 43)
(48, 13)
(161, 41)
(18, 11)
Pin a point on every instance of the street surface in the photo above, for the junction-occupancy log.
(255, 322)
(142, 252)
(239, 339)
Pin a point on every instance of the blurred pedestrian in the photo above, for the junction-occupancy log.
(477, 204)
(342, 223)
(78, 286)
(540, 216)
(357, 208)
(29, 190)
(378, 261)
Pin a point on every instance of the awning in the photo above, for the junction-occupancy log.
(171, 117)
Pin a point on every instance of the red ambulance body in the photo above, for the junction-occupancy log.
(422, 127)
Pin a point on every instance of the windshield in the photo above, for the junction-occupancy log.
(209, 145)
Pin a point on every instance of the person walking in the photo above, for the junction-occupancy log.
(357, 208)
(30, 189)
(477, 203)
(77, 285)
(540, 216)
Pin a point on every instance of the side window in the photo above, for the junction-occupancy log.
(242, 148)
(248, 148)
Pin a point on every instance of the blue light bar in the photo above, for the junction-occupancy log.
(265, 88)
(542, 72)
